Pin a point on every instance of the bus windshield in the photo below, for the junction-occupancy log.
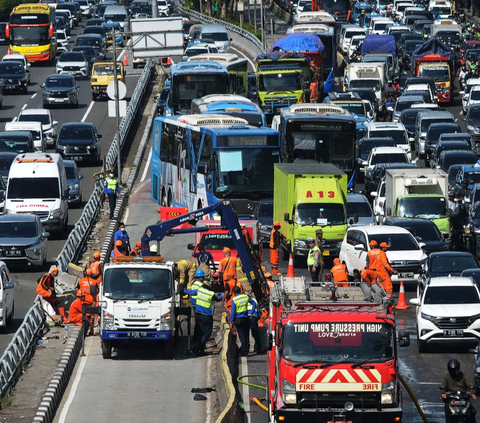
(245, 171)
(187, 87)
(345, 342)
(285, 81)
(437, 73)
(29, 35)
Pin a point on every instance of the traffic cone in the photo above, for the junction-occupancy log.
(402, 301)
(291, 269)
(125, 61)
(169, 62)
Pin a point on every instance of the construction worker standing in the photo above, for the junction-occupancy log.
(254, 313)
(339, 272)
(319, 244)
(313, 259)
(84, 297)
(197, 284)
(46, 288)
(122, 235)
(239, 317)
(137, 250)
(204, 310)
(228, 270)
(275, 238)
(118, 251)
(186, 272)
(242, 280)
(204, 260)
(96, 266)
(111, 190)
(385, 275)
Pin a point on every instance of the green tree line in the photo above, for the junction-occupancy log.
(6, 7)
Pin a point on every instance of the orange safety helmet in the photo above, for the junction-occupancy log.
(373, 243)
(336, 261)
(277, 223)
(96, 254)
(226, 250)
(138, 244)
(53, 269)
(384, 245)
(118, 243)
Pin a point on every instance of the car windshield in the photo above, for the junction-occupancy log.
(106, 69)
(405, 104)
(409, 118)
(11, 68)
(115, 18)
(366, 147)
(428, 121)
(18, 229)
(397, 242)
(14, 146)
(426, 232)
(56, 82)
(422, 207)
(217, 241)
(137, 284)
(362, 209)
(70, 171)
(389, 158)
(91, 42)
(450, 160)
(320, 214)
(449, 264)
(40, 188)
(398, 136)
(343, 342)
(216, 36)
(437, 73)
(61, 35)
(471, 177)
(474, 114)
(195, 51)
(434, 132)
(265, 210)
(72, 132)
(43, 119)
(365, 83)
(86, 51)
(71, 57)
(451, 295)
(475, 95)
(354, 108)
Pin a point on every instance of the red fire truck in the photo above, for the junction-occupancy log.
(332, 356)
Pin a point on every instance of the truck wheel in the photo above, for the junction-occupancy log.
(168, 348)
(106, 349)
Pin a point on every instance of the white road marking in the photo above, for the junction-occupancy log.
(125, 218)
(34, 95)
(147, 165)
(88, 111)
(76, 382)
(249, 61)
(245, 389)
(120, 55)
(24, 106)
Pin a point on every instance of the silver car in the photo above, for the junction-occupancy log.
(23, 239)
(359, 211)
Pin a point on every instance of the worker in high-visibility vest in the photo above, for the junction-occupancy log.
(385, 275)
(118, 251)
(239, 318)
(111, 190)
(275, 238)
(197, 284)
(137, 250)
(186, 272)
(46, 288)
(313, 259)
(254, 314)
(242, 279)
(228, 269)
(339, 272)
(84, 297)
(96, 266)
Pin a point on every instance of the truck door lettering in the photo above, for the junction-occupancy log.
(321, 194)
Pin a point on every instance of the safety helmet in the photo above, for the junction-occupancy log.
(453, 367)
(226, 250)
(384, 245)
(199, 273)
(138, 244)
(373, 243)
(53, 269)
(118, 243)
(310, 240)
(336, 261)
(89, 272)
(96, 254)
(277, 223)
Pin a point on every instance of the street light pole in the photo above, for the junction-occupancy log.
(117, 108)
(262, 27)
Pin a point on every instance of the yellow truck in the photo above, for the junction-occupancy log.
(308, 196)
(102, 75)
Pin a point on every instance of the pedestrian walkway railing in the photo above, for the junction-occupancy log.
(228, 26)
(78, 236)
(20, 346)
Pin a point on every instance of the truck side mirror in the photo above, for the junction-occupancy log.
(191, 246)
(278, 335)
(403, 339)
(286, 217)
(269, 342)
(355, 218)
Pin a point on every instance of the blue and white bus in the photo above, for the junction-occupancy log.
(198, 160)
(191, 80)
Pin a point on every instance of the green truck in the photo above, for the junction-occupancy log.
(283, 79)
(308, 196)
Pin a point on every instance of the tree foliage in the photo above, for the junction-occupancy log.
(6, 7)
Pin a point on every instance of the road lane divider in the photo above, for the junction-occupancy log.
(90, 106)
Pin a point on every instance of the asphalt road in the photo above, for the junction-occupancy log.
(25, 279)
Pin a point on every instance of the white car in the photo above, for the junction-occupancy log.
(383, 155)
(162, 7)
(422, 87)
(405, 254)
(63, 41)
(353, 44)
(73, 63)
(448, 312)
(396, 130)
(379, 201)
(45, 118)
(470, 84)
(7, 302)
(474, 97)
(19, 58)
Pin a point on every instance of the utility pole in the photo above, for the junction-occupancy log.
(154, 9)
(117, 106)
(262, 26)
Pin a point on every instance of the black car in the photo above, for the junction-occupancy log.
(6, 160)
(60, 89)
(95, 22)
(100, 30)
(445, 263)
(378, 172)
(62, 24)
(14, 76)
(264, 214)
(456, 157)
(409, 117)
(433, 134)
(445, 146)
(162, 98)
(424, 231)
(363, 148)
(74, 182)
(462, 136)
(452, 176)
(472, 121)
(88, 53)
(3, 35)
(421, 80)
(141, 8)
(79, 141)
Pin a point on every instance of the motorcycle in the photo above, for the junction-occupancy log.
(459, 407)
(468, 234)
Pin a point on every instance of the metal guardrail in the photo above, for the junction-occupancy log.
(20, 344)
(77, 238)
(228, 26)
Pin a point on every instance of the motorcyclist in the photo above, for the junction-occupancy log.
(454, 381)
(457, 222)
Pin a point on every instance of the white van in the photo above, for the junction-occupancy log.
(218, 34)
(118, 14)
(35, 128)
(37, 184)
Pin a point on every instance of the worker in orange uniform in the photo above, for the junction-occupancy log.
(46, 288)
(96, 266)
(118, 250)
(339, 272)
(228, 269)
(269, 280)
(368, 283)
(275, 238)
(84, 297)
(388, 270)
(137, 250)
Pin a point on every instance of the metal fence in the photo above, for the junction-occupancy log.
(228, 26)
(77, 238)
(20, 345)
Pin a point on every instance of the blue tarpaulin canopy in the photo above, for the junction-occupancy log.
(432, 46)
(374, 43)
(309, 43)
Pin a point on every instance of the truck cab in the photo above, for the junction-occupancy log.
(102, 75)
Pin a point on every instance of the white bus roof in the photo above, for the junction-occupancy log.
(223, 58)
(210, 98)
(308, 28)
(319, 109)
(314, 17)
(212, 120)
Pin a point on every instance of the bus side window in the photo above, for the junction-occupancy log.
(164, 144)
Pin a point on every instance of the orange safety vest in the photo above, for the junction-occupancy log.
(228, 266)
(339, 273)
(97, 267)
(274, 239)
(83, 292)
(374, 262)
(117, 253)
(384, 260)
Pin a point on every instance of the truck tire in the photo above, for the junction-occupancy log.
(168, 348)
(106, 349)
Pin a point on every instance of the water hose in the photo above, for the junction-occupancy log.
(420, 411)
(256, 400)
